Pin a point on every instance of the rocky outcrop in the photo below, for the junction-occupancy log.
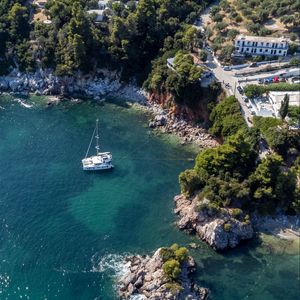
(42, 82)
(145, 279)
(166, 122)
(220, 228)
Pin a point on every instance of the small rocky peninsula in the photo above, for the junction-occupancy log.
(163, 276)
(221, 228)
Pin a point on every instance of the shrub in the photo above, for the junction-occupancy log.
(181, 254)
(172, 269)
(211, 208)
(166, 254)
(264, 123)
(226, 118)
(227, 227)
(247, 219)
(174, 287)
(189, 181)
(254, 90)
(203, 55)
(236, 212)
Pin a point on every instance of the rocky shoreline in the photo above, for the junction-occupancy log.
(98, 86)
(220, 228)
(145, 280)
(165, 122)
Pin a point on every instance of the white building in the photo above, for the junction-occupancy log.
(255, 45)
(276, 98)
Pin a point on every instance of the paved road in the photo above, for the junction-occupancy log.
(221, 75)
(226, 77)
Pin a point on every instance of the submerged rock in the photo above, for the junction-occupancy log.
(220, 229)
(145, 279)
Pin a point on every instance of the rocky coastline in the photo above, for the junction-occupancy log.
(165, 122)
(100, 86)
(43, 82)
(145, 280)
(220, 228)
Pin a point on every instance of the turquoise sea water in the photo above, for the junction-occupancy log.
(63, 232)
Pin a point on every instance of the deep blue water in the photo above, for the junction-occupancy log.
(63, 232)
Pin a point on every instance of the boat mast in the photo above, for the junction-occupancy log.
(97, 137)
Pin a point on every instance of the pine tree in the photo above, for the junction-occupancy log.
(284, 106)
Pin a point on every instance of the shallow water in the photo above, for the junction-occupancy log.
(63, 232)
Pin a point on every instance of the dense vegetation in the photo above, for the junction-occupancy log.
(234, 175)
(254, 90)
(136, 40)
(73, 41)
(172, 258)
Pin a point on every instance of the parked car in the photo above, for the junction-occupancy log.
(261, 81)
(253, 65)
(245, 99)
(276, 79)
(296, 79)
(208, 49)
(268, 80)
(227, 68)
(239, 88)
(282, 79)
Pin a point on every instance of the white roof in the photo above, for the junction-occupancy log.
(294, 97)
(98, 12)
(261, 38)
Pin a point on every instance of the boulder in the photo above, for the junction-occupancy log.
(152, 284)
(220, 230)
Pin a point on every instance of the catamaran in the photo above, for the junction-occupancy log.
(100, 161)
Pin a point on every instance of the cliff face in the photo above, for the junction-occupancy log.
(165, 100)
(221, 230)
(146, 280)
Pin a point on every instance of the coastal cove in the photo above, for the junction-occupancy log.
(64, 233)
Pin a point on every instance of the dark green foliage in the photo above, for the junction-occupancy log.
(264, 123)
(172, 258)
(226, 118)
(172, 269)
(294, 115)
(182, 82)
(283, 111)
(203, 55)
(271, 186)
(189, 181)
(254, 90)
(278, 137)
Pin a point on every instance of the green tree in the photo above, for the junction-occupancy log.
(172, 269)
(283, 111)
(203, 55)
(254, 90)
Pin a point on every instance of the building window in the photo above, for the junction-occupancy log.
(260, 50)
(266, 50)
(247, 49)
(279, 51)
(267, 44)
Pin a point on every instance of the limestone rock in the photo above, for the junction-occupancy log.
(220, 231)
(150, 283)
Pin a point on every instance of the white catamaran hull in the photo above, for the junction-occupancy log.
(100, 161)
(97, 168)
